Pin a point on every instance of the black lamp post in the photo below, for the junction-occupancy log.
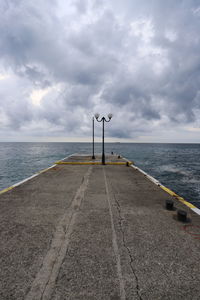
(103, 119)
(93, 157)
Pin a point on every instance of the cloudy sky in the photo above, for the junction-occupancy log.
(61, 61)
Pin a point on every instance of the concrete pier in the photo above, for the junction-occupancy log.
(81, 230)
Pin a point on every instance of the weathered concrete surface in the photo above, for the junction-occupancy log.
(95, 232)
(83, 158)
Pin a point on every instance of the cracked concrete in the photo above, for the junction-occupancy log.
(121, 220)
(43, 285)
(102, 231)
(154, 238)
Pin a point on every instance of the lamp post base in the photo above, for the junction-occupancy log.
(103, 159)
(93, 157)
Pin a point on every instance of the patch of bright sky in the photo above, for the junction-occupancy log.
(143, 29)
(4, 76)
(37, 95)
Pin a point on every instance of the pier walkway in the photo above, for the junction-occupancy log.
(87, 231)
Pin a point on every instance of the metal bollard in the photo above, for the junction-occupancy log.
(169, 204)
(182, 215)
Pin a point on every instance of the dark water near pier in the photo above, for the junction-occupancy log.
(175, 165)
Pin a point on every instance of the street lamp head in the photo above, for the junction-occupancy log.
(110, 116)
(96, 116)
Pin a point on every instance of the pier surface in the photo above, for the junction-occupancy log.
(85, 231)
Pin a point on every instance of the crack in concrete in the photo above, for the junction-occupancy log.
(114, 242)
(127, 248)
(44, 282)
(65, 230)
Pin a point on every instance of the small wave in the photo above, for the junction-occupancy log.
(174, 169)
(192, 180)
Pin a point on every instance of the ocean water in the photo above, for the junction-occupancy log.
(177, 166)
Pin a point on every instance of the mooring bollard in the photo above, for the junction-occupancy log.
(169, 204)
(182, 215)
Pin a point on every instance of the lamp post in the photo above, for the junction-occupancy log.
(93, 157)
(103, 119)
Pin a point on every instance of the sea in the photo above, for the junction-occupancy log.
(177, 166)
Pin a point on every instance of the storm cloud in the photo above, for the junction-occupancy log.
(63, 61)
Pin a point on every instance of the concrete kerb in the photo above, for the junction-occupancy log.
(170, 192)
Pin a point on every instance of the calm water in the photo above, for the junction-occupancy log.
(175, 165)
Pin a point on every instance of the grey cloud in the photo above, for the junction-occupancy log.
(14, 105)
(102, 63)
